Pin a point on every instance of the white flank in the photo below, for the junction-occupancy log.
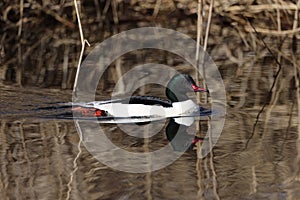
(140, 110)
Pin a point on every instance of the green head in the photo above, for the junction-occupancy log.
(179, 86)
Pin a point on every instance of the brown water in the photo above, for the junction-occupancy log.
(37, 156)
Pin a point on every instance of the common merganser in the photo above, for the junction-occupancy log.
(140, 109)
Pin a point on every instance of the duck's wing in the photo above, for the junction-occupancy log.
(150, 100)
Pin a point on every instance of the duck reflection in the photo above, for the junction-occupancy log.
(184, 140)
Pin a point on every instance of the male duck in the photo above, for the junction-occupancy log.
(137, 109)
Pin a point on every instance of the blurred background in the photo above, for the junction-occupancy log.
(254, 43)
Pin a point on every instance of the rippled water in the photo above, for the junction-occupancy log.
(37, 157)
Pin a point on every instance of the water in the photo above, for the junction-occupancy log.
(37, 157)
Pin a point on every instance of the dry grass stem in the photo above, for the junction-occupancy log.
(83, 42)
(262, 7)
(297, 86)
(274, 32)
(156, 9)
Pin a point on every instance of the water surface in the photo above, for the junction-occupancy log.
(37, 157)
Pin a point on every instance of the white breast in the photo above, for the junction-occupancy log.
(180, 108)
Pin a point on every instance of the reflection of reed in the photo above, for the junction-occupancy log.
(29, 153)
(37, 158)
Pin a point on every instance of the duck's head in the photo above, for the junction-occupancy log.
(179, 86)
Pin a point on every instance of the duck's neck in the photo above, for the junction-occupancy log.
(176, 98)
